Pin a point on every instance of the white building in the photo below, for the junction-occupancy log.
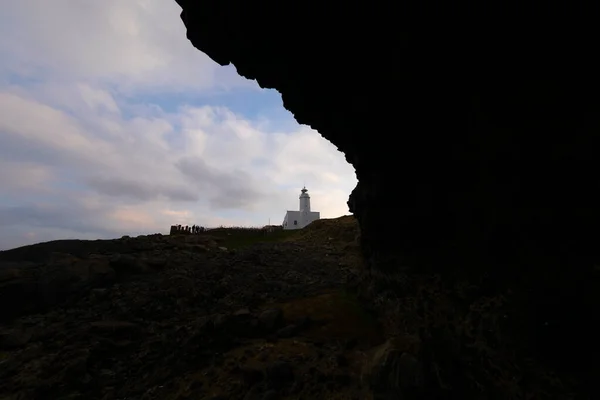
(299, 219)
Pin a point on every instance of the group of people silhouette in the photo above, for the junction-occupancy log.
(185, 229)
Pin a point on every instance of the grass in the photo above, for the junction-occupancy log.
(337, 231)
(339, 315)
(237, 237)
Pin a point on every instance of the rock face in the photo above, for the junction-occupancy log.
(461, 142)
(471, 135)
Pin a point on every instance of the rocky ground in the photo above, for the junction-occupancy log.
(163, 317)
(236, 314)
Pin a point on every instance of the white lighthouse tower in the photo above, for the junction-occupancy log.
(304, 216)
(304, 200)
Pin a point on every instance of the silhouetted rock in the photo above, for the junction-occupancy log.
(271, 319)
(473, 147)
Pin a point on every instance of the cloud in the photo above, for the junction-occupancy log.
(19, 178)
(133, 45)
(111, 123)
(233, 189)
(122, 187)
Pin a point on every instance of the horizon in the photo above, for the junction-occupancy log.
(113, 124)
(207, 228)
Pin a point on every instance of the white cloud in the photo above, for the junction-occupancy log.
(83, 154)
(134, 44)
(97, 99)
(18, 178)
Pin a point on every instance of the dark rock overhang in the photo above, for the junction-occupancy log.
(473, 129)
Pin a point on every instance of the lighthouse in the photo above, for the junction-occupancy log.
(304, 216)
(304, 200)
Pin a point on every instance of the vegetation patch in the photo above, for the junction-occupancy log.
(335, 315)
(237, 237)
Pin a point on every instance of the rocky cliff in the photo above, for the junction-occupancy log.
(472, 130)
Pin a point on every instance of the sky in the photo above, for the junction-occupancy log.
(112, 124)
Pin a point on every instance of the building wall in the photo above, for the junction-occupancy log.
(290, 217)
(304, 203)
(310, 217)
(302, 220)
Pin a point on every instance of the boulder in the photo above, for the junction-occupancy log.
(271, 319)
(394, 368)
